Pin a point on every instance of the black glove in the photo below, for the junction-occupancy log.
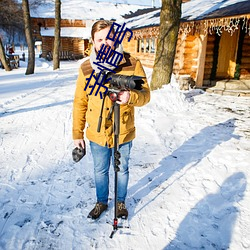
(78, 153)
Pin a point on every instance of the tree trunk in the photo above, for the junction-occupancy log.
(168, 34)
(29, 38)
(56, 59)
(3, 57)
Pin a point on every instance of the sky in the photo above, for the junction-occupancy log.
(189, 169)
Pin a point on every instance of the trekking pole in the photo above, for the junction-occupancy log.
(117, 156)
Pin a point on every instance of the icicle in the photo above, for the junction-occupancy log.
(216, 25)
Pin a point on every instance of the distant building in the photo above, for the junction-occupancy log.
(77, 19)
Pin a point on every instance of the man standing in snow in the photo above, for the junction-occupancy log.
(87, 107)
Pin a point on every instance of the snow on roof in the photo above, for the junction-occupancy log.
(85, 10)
(193, 10)
(149, 19)
(138, 2)
(197, 9)
(79, 32)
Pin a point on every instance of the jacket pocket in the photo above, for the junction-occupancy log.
(127, 120)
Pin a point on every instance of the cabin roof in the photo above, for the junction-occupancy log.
(151, 18)
(209, 9)
(85, 10)
(193, 10)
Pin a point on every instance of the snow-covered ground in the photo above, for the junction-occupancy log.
(189, 169)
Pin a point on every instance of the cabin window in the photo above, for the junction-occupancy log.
(146, 45)
(140, 45)
(152, 45)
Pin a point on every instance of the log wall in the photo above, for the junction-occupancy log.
(73, 45)
(209, 57)
(178, 61)
(50, 22)
(186, 56)
(245, 60)
(186, 53)
(133, 47)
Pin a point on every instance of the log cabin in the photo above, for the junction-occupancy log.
(74, 37)
(77, 18)
(213, 41)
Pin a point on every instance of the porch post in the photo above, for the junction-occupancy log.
(201, 60)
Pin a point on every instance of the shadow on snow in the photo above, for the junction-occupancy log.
(210, 223)
(23, 110)
(190, 153)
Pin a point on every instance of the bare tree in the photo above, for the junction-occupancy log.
(11, 24)
(56, 59)
(3, 57)
(28, 33)
(11, 16)
(168, 34)
(36, 3)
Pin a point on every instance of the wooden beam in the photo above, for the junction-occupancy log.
(201, 60)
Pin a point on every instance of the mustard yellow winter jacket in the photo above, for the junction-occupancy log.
(87, 108)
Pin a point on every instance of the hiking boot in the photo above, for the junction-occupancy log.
(122, 211)
(97, 210)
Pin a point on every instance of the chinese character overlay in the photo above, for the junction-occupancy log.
(107, 57)
(100, 81)
(119, 39)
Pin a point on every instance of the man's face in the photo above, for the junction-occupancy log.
(100, 38)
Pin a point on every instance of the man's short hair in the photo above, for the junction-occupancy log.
(99, 25)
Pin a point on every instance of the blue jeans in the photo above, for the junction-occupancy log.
(102, 158)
